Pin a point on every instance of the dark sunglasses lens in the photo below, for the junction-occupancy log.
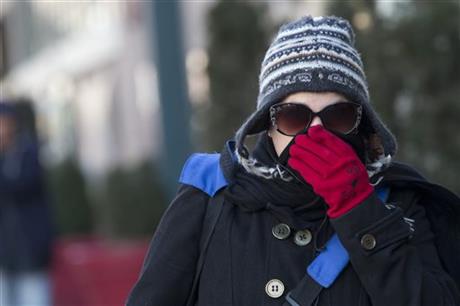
(340, 117)
(292, 118)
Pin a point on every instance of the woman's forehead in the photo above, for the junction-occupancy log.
(315, 99)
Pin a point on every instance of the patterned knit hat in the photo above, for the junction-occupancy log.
(316, 55)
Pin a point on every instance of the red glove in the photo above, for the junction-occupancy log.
(333, 169)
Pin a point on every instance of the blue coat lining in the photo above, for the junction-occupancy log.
(202, 170)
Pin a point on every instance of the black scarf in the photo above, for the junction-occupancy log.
(293, 202)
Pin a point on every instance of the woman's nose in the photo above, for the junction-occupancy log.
(316, 121)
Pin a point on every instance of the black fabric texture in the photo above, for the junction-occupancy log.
(243, 254)
(293, 202)
(442, 210)
(26, 220)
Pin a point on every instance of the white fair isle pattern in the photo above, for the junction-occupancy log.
(251, 165)
(329, 55)
(288, 44)
(312, 65)
(323, 27)
(306, 77)
(375, 167)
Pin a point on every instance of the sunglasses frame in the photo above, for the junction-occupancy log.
(275, 108)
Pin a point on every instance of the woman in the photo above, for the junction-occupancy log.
(26, 229)
(318, 213)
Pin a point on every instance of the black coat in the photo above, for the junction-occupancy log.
(403, 268)
(26, 229)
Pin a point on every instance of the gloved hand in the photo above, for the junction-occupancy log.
(333, 169)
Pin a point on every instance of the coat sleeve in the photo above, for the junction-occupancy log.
(396, 265)
(169, 266)
(25, 175)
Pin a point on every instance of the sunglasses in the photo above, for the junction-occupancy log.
(292, 118)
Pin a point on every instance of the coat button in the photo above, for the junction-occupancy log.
(368, 242)
(281, 231)
(302, 238)
(274, 288)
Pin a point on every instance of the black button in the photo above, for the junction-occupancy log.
(274, 288)
(281, 231)
(368, 242)
(303, 237)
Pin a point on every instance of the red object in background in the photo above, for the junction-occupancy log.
(95, 272)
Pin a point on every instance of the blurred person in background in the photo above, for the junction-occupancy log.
(25, 224)
(319, 213)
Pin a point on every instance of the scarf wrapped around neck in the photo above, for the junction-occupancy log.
(293, 202)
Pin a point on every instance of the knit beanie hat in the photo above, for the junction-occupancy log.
(314, 54)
